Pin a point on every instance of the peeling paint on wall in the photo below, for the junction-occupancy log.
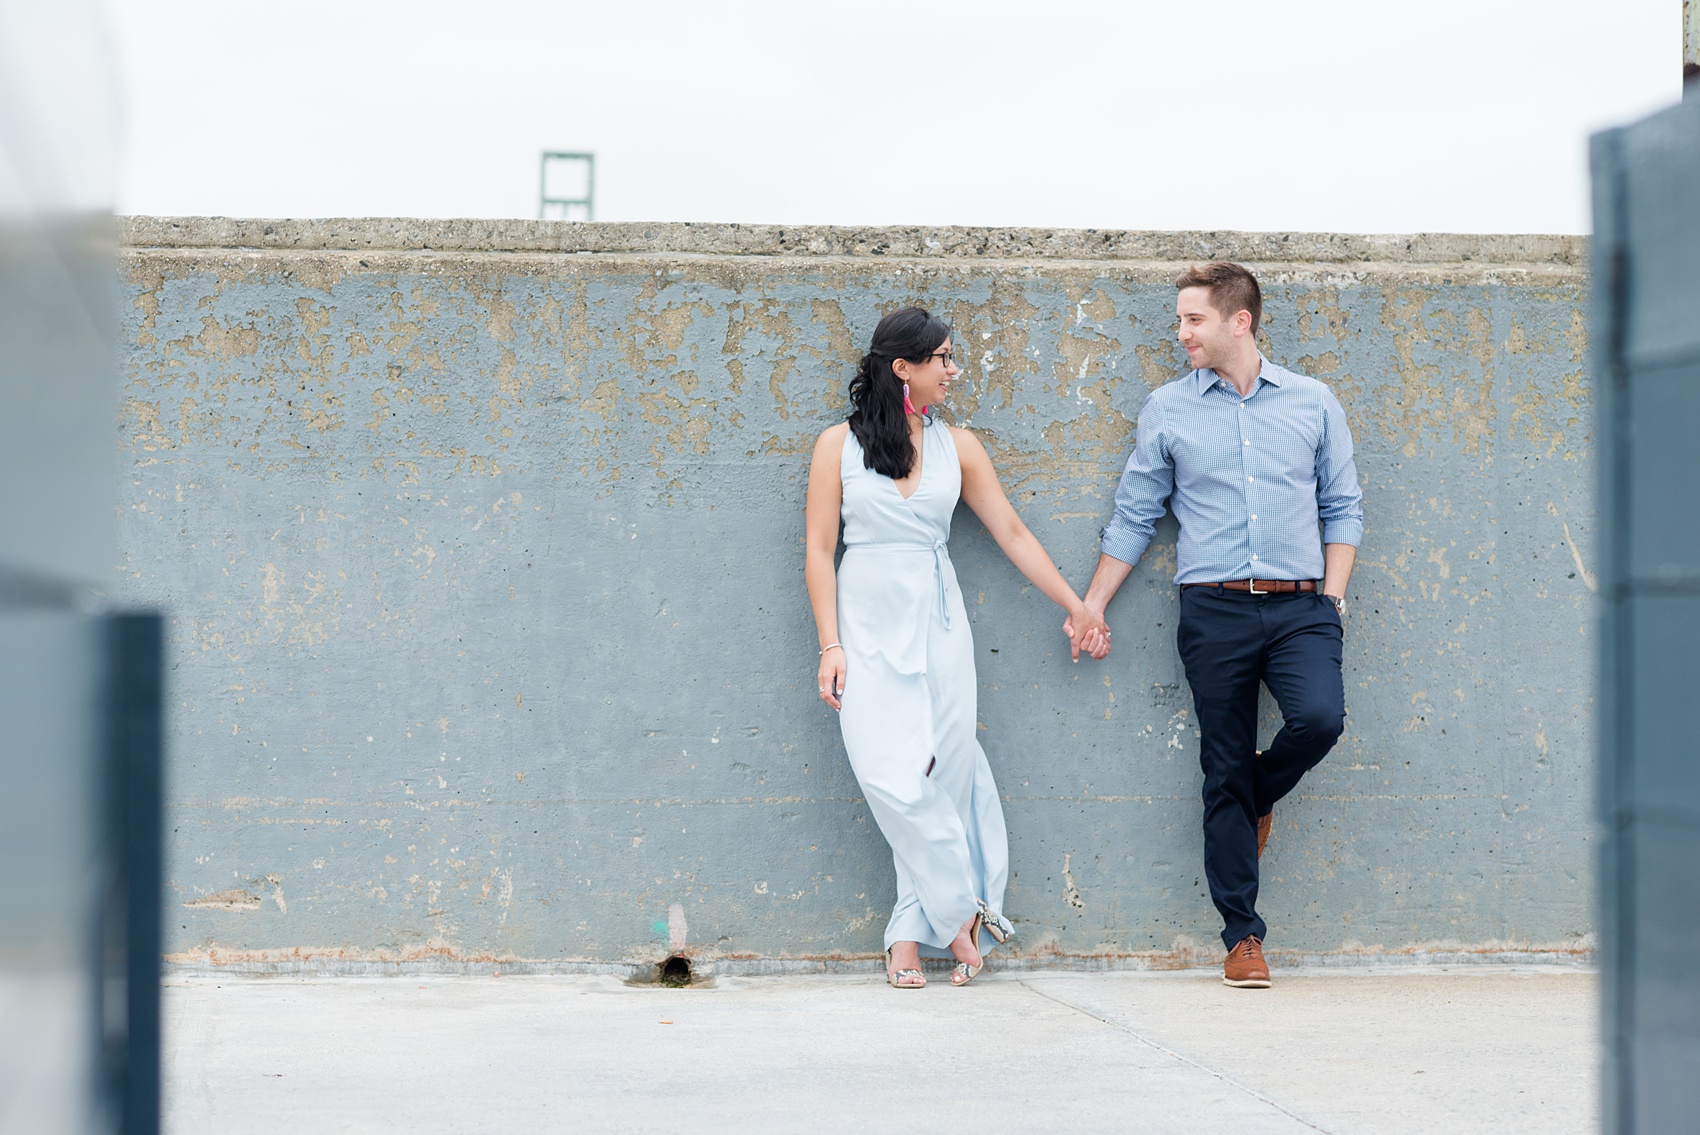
(489, 632)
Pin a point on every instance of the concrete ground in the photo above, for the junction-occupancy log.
(1431, 1050)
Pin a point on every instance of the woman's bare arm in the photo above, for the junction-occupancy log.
(982, 493)
(820, 540)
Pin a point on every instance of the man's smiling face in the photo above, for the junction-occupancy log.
(1207, 336)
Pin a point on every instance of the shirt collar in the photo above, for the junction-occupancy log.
(1207, 378)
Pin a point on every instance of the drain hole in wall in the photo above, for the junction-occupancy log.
(676, 971)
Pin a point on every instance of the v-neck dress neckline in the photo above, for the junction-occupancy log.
(921, 476)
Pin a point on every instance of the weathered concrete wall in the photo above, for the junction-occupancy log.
(484, 546)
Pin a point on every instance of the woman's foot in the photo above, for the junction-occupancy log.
(965, 948)
(903, 965)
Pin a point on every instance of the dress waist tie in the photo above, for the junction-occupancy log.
(941, 556)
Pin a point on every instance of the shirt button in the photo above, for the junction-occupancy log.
(1254, 555)
(1248, 441)
(1251, 478)
(1254, 516)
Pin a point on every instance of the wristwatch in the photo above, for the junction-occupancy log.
(1338, 601)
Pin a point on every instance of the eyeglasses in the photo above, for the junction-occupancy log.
(949, 357)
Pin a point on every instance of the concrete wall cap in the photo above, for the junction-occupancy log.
(380, 234)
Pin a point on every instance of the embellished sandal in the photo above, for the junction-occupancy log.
(995, 925)
(962, 973)
(903, 978)
(992, 924)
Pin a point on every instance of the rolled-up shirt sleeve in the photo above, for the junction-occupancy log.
(1339, 501)
(1143, 494)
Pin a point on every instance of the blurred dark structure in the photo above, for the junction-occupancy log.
(131, 940)
(80, 688)
(1646, 361)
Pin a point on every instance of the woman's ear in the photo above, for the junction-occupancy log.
(900, 367)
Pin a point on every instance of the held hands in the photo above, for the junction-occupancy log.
(831, 676)
(1087, 631)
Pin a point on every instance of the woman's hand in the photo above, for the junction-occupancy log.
(1087, 631)
(831, 677)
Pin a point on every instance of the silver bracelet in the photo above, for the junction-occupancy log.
(829, 646)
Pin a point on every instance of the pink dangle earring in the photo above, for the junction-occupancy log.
(908, 406)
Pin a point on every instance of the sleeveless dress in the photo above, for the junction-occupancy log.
(909, 702)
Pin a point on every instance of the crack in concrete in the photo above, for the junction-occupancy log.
(1169, 1052)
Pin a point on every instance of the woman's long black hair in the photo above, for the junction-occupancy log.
(876, 393)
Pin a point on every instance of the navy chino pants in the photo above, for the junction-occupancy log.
(1230, 641)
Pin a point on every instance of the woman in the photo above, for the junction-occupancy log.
(897, 658)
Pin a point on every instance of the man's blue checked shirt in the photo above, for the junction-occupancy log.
(1250, 479)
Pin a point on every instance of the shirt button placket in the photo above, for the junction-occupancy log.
(1250, 478)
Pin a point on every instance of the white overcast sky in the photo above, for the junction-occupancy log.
(1333, 115)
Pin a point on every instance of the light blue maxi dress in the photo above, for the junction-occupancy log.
(909, 712)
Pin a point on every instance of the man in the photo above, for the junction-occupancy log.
(1253, 458)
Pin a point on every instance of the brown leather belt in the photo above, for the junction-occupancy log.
(1262, 586)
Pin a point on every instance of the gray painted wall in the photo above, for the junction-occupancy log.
(483, 544)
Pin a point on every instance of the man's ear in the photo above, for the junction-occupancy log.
(1242, 322)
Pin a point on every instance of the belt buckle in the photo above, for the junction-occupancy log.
(1251, 585)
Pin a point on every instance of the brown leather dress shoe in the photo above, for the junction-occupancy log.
(1245, 967)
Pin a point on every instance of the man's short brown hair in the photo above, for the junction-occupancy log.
(1233, 288)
